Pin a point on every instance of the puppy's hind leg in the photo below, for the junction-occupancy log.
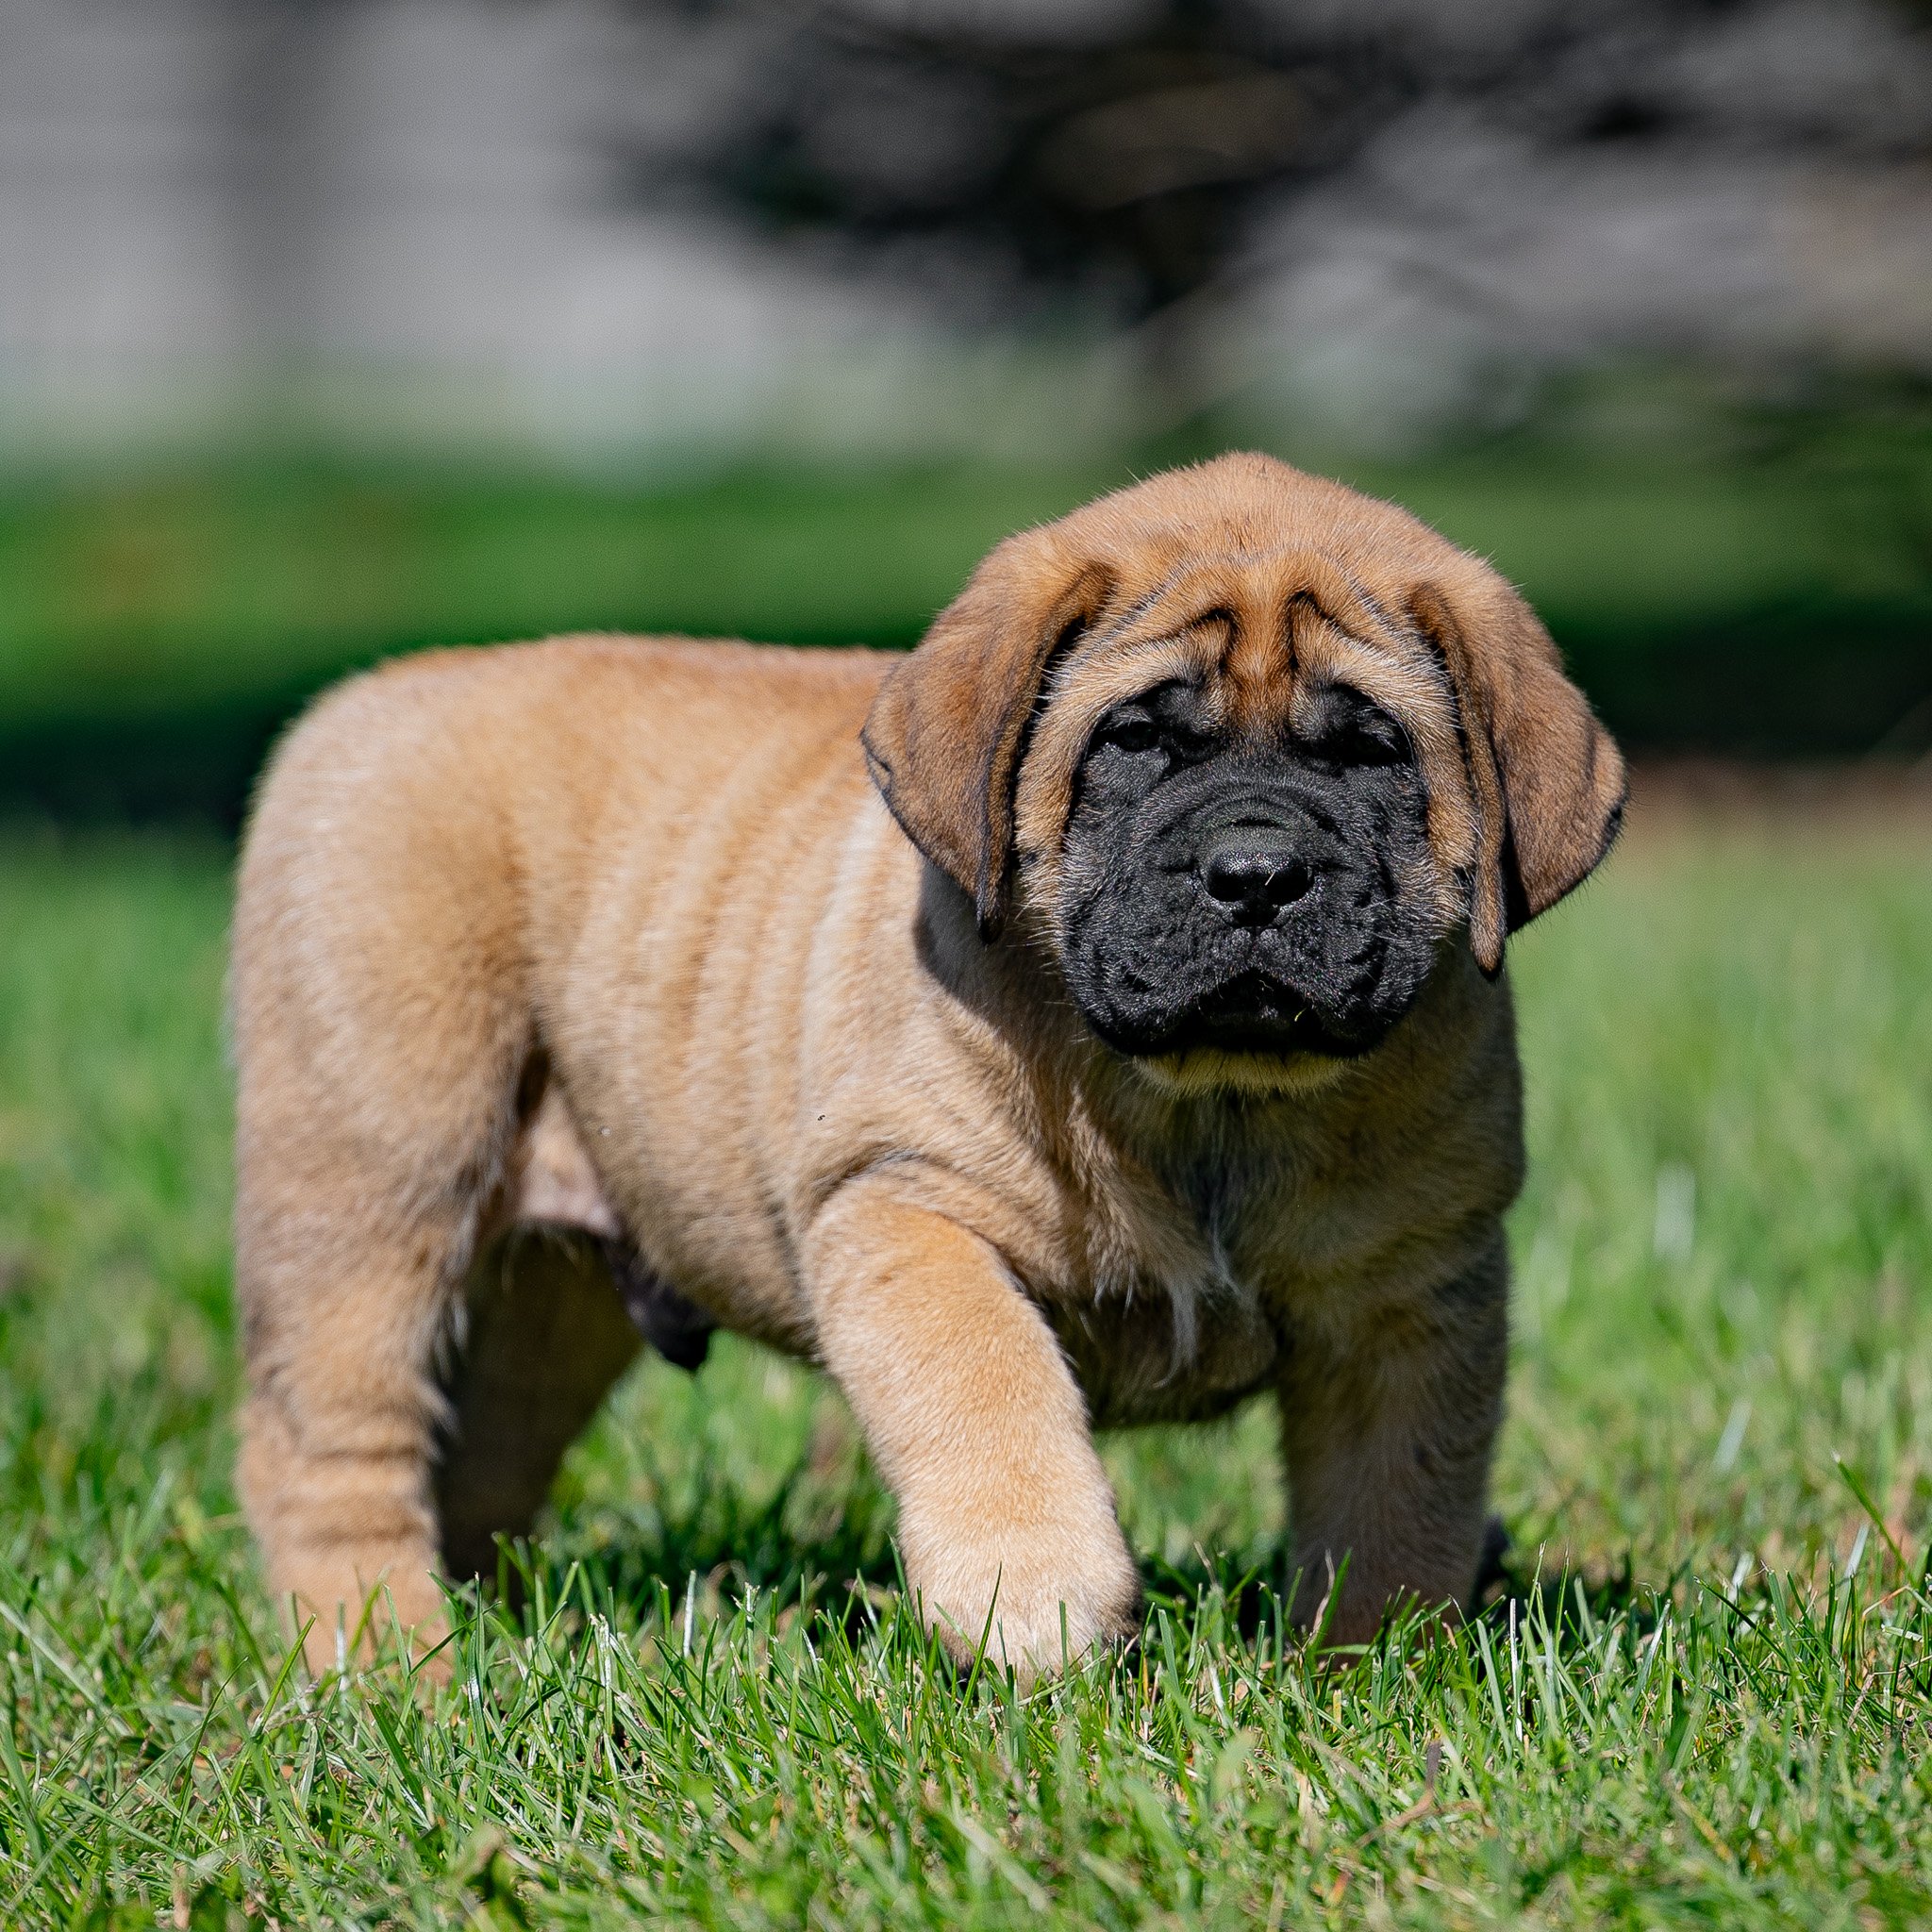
(380, 1023)
(552, 1315)
(545, 1336)
(338, 1429)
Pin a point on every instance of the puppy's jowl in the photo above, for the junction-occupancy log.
(1093, 1018)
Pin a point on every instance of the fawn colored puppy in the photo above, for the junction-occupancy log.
(1096, 1017)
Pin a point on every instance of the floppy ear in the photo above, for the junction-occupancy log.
(944, 737)
(1548, 778)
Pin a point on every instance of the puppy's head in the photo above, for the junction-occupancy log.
(1251, 751)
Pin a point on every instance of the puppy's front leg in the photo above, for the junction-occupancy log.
(974, 1419)
(1386, 1428)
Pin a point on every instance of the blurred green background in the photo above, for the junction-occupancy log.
(336, 328)
(1764, 589)
(331, 330)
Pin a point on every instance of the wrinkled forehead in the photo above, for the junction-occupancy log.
(1262, 635)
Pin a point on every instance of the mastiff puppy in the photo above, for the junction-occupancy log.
(1093, 1018)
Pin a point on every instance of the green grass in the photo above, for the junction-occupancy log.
(1703, 1698)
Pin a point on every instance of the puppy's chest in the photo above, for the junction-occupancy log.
(1154, 1351)
(1157, 1318)
(1183, 1299)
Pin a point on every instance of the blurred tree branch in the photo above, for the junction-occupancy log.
(1118, 156)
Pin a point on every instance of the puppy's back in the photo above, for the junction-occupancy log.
(428, 850)
(450, 771)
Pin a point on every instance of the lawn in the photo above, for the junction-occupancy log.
(1701, 1697)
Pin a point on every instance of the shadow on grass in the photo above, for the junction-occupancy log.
(1257, 1596)
(834, 1563)
(809, 1552)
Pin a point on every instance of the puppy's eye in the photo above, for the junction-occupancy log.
(1132, 735)
(1360, 733)
(1372, 743)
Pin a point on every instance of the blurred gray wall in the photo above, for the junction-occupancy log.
(393, 218)
(399, 219)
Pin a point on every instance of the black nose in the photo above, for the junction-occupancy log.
(1253, 874)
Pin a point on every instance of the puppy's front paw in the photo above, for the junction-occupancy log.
(352, 1610)
(1036, 1596)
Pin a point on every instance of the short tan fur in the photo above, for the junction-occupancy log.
(630, 937)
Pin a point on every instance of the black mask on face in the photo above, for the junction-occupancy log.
(1254, 895)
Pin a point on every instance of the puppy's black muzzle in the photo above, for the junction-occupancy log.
(1276, 968)
(1254, 873)
(1248, 908)
(1259, 874)
(1259, 1012)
